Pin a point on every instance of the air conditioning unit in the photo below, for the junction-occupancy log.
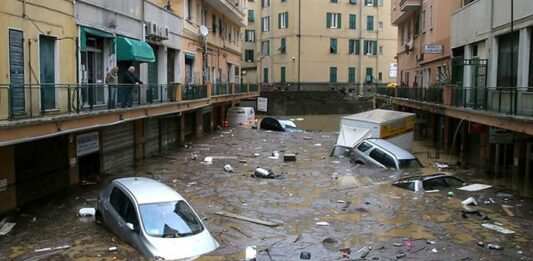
(166, 32)
(149, 28)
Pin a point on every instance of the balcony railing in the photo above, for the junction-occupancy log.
(504, 100)
(221, 89)
(241, 88)
(39, 100)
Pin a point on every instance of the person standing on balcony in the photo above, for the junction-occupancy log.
(131, 81)
(111, 79)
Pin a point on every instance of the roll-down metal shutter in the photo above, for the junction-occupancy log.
(169, 132)
(117, 143)
(151, 137)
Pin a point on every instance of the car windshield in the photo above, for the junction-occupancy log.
(169, 219)
(410, 164)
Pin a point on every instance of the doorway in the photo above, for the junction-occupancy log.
(89, 167)
(92, 66)
(47, 72)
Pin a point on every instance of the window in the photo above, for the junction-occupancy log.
(371, 47)
(170, 219)
(123, 206)
(332, 74)
(353, 22)
(380, 26)
(283, 45)
(283, 20)
(370, 23)
(364, 146)
(333, 20)
(353, 46)
(423, 22)
(333, 45)
(383, 158)
(265, 75)
(265, 24)
(430, 17)
(283, 1)
(351, 78)
(251, 16)
(380, 76)
(506, 77)
(265, 48)
(436, 183)
(372, 2)
(283, 74)
(333, 1)
(265, 3)
(189, 10)
(249, 36)
(214, 24)
(249, 55)
(353, 2)
(369, 75)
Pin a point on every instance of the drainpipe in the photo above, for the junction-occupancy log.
(361, 42)
(29, 67)
(512, 59)
(299, 40)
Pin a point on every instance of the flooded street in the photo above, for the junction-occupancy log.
(365, 216)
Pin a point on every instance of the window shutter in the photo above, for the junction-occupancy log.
(279, 20)
(339, 21)
(351, 74)
(328, 20)
(262, 24)
(350, 47)
(375, 49)
(286, 19)
(357, 46)
(366, 47)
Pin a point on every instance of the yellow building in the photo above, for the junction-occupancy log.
(319, 44)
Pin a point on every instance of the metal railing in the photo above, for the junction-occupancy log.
(26, 101)
(194, 92)
(505, 100)
(221, 89)
(241, 88)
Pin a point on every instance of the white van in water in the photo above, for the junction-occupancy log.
(244, 116)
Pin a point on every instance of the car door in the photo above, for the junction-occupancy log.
(121, 212)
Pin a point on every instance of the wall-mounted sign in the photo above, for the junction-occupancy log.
(87, 143)
(500, 136)
(262, 104)
(157, 31)
(433, 48)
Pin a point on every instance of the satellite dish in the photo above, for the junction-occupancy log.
(204, 31)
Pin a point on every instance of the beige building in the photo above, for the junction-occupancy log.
(318, 44)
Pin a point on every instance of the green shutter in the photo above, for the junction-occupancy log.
(366, 47)
(333, 45)
(375, 49)
(332, 74)
(283, 74)
(370, 23)
(328, 20)
(283, 45)
(340, 20)
(351, 75)
(286, 19)
(350, 46)
(262, 24)
(279, 20)
(357, 46)
(352, 21)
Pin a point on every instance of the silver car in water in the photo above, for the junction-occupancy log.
(383, 154)
(154, 218)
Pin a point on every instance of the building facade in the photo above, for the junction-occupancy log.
(319, 44)
(62, 124)
(424, 31)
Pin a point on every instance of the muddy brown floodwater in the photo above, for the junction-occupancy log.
(362, 210)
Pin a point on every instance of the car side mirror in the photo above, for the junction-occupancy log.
(131, 227)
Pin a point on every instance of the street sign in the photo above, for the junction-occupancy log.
(87, 143)
(262, 104)
(433, 48)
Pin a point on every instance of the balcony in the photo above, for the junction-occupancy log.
(500, 100)
(232, 9)
(41, 102)
(404, 10)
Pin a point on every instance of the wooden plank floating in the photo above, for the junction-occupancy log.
(249, 219)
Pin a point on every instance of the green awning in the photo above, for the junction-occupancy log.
(84, 31)
(134, 50)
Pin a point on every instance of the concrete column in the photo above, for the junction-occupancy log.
(464, 142)
(524, 45)
(177, 67)
(493, 62)
(212, 120)
(467, 76)
(8, 197)
(181, 127)
(73, 170)
(138, 140)
(199, 128)
(484, 150)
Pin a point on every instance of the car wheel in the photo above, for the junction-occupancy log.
(98, 217)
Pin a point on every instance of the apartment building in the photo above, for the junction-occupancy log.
(61, 124)
(424, 30)
(319, 44)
